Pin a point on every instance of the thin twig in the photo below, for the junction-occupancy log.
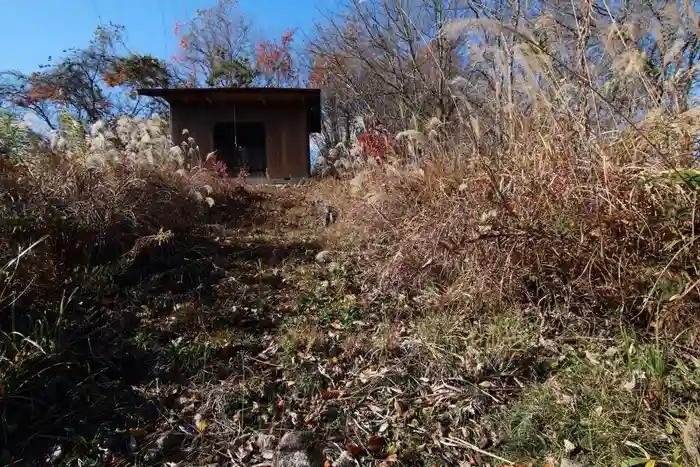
(460, 443)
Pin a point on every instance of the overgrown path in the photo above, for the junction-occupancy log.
(183, 325)
(205, 347)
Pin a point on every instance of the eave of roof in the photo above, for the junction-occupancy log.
(309, 98)
(232, 94)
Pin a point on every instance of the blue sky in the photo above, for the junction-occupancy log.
(33, 30)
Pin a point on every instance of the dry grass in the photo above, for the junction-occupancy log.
(539, 222)
(215, 340)
(516, 286)
(83, 248)
(520, 252)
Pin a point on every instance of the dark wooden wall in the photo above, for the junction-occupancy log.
(286, 132)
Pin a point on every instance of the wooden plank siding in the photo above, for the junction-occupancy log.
(286, 133)
(289, 117)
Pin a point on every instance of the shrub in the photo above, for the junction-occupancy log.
(16, 140)
(538, 221)
(104, 207)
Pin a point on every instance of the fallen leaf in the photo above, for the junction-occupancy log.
(631, 385)
(265, 442)
(398, 408)
(245, 450)
(375, 444)
(330, 394)
(384, 427)
(200, 423)
(355, 449)
(592, 358)
(392, 458)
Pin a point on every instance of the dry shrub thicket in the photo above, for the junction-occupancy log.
(535, 220)
(541, 189)
(92, 194)
(572, 188)
(83, 220)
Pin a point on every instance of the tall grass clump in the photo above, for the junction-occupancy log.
(555, 192)
(99, 208)
(552, 181)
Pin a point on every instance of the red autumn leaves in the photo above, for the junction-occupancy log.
(42, 91)
(207, 39)
(136, 71)
(374, 142)
(319, 74)
(275, 59)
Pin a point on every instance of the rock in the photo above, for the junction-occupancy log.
(264, 442)
(323, 257)
(294, 441)
(56, 456)
(569, 446)
(570, 463)
(165, 444)
(691, 438)
(292, 459)
(345, 460)
(296, 449)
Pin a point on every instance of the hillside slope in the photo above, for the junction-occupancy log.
(207, 346)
